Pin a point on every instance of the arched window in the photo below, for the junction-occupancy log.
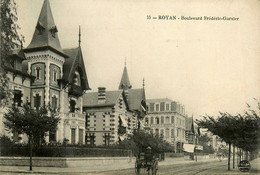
(76, 79)
(54, 102)
(55, 75)
(37, 72)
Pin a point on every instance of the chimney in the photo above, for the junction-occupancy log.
(101, 95)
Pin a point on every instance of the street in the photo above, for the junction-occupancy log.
(181, 168)
(205, 168)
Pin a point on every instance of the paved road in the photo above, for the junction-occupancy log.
(205, 168)
(193, 168)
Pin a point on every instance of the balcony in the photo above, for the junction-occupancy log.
(75, 90)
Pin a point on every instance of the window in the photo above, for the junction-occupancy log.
(162, 133)
(92, 140)
(157, 107)
(151, 120)
(157, 132)
(167, 120)
(73, 134)
(37, 101)
(55, 75)
(172, 133)
(167, 107)
(146, 120)
(54, 102)
(80, 136)
(107, 139)
(152, 107)
(76, 79)
(162, 120)
(18, 97)
(167, 134)
(72, 105)
(52, 136)
(172, 118)
(157, 120)
(37, 72)
(162, 105)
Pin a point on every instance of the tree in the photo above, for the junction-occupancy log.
(9, 40)
(242, 131)
(34, 123)
(140, 140)
(223, 126)
(204, 141)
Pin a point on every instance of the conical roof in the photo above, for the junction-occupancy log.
(45, 34)
(125, 82)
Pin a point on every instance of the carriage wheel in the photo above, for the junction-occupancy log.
(137, 169)
(155, 168)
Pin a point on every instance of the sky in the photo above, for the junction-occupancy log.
(206, 65)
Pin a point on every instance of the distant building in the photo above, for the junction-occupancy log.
(112, 115)
(166, 118)
(191, 131)
(44, 73)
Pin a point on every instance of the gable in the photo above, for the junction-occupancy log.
(75, 63)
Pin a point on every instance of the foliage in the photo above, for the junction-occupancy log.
(33, 123)
(241, 130)
(9, 38)
(204, 141)
(140, 140)
(64, 151)
(5, 143)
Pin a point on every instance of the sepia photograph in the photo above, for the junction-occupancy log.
(130, 87)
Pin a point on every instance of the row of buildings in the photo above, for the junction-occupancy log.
(44, 73)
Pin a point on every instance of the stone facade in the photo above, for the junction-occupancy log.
(166, 118)
(44, 74)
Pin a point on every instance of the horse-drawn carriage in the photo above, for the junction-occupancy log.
(148, 162)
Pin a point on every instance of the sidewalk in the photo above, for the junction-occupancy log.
(56, 170)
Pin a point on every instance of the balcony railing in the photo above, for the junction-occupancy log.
(75, 115)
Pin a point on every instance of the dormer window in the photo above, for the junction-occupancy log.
(53, 31)
(40, 27)
(76, 79)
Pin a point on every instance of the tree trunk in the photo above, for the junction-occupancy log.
(240, 154)
(229, 154)
(234, 155)
(30, 145)
(246, 155)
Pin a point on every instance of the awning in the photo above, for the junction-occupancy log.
(188, 148)
(124, 122)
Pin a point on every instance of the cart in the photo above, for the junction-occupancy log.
(150, 165)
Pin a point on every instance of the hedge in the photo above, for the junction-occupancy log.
(64, 151)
